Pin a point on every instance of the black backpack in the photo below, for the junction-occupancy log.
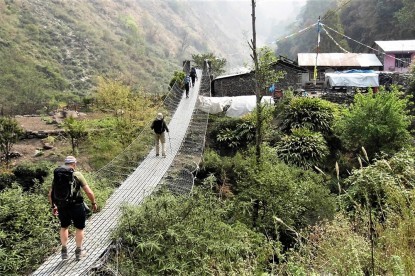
(65, 189)
(158, 126)
(193, 72)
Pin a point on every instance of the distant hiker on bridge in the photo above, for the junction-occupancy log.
(68, 204)
(159, 127)
(193, 75)
(187, 85)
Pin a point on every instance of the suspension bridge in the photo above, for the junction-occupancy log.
(138, 178)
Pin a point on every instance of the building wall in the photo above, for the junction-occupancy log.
(242, 85)
(239, 85)
(389, 63)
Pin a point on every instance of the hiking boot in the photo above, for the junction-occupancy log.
(157, 154)
(164, 156)
(64, 253)
(79, 253)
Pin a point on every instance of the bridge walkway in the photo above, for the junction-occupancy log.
(136, 187)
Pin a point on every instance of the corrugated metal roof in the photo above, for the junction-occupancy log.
(397, 45)
(338, 60)
(232, 75)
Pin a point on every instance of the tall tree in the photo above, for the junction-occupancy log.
(264, 76)
(10, 132)
(406, 16)
(257, 86)
(217, 64)
(76, 131)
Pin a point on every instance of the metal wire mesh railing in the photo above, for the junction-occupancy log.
(139, 179)
(180, 177)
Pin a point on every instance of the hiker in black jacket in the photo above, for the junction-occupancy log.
(159, 126)
(193, 75)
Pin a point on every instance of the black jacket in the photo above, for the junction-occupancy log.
(159, 126)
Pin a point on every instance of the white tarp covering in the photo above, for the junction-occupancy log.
(353, 79)
(236, 106)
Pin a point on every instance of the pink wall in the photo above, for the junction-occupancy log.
(389, 63)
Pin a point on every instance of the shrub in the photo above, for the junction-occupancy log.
(311, 113)
(378, 122)
(178, 79)
(386, 185)
(303, 148)
(27, 231)
(232, 134)
(274, 189)
(10, 132)
(6, 179)
(382, 191)
(188, 236)
(28, 174)
(330, 249)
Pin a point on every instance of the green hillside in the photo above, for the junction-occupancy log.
(53, 51)
(362, 20)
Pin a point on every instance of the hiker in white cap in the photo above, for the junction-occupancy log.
(68, 204)
(159, 127)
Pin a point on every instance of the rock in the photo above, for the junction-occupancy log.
(38, 153)
(47, 146)
(14, 154)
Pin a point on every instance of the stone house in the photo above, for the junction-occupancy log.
(242, 84)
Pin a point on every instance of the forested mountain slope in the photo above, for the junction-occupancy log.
(53, 50)
(362, 20)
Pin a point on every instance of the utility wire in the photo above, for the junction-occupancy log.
(335, 42)
(296, 33)
(367, 46)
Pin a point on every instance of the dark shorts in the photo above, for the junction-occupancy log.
(72, 214)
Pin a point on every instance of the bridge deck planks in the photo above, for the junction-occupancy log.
(133, 190)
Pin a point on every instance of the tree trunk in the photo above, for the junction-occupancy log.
(258, 138)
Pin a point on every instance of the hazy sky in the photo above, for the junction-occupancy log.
(272, 19)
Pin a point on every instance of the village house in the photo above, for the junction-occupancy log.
(396, 55)
(242, 84)
(332, 62)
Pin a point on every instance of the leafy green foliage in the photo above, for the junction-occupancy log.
(273, 189)
(333, 248)
(10, 132)
(217, 64)
(386, 185)
(383, 189)
(266, 74)
(312, 113)
(376, 20)
(76, 130)
(378, 122)
(188, 236)
(28, 174)
(406, 15)
(27, 231)
(178, 79)
(303, 148)
(6, 179)
(238, 137)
